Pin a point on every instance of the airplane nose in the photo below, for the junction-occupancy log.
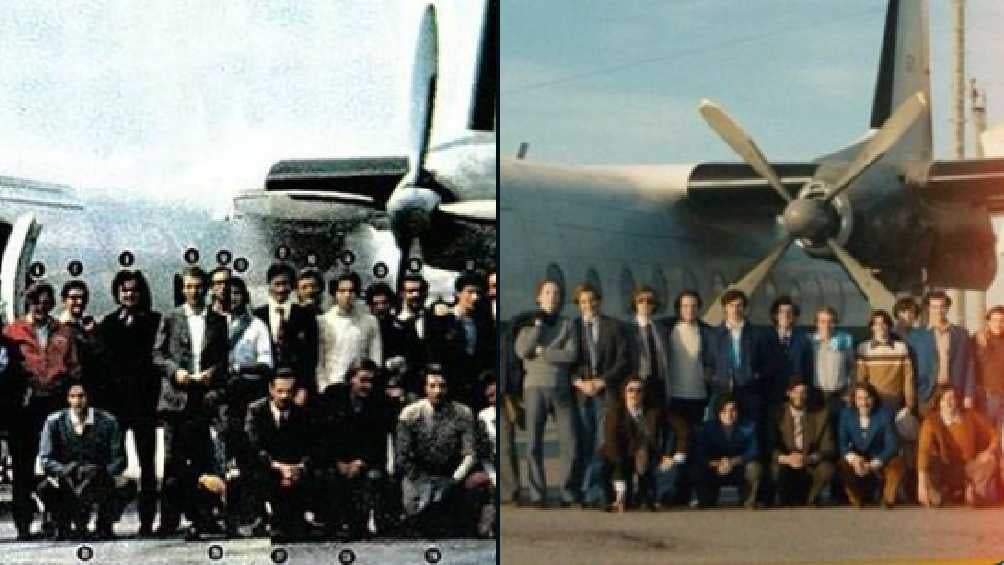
(810, 218)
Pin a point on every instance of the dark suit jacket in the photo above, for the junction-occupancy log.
(611, 354)
(656, 393)
(712, 443)
(291, 444)
(664, 434)
(173, 351)
(757, 365)
(350, 435)
(134, 381)
(794, 359)
(300, 353)
(817, 437)
(879, 440)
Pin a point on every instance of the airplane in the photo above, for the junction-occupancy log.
(872, 221)
(437, 201)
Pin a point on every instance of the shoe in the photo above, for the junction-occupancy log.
(165, 532)
(193, 534)
(105, 532)
(540, 504)
(279, 536)
(145, 531)
(259, 529)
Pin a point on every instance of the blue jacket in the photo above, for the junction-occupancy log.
(878, 441)
(758, 361)
(713, 444)
(961, 364)
(795, 359)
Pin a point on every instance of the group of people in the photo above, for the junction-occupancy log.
(289, 419)
(657, 411)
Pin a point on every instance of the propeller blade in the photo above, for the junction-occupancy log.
(894, 128)
(877, 294)
(749, 283)
(423, 93)
(482, 211)
(733, 134)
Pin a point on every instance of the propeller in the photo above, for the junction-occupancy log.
(810, 216)
(415, 198)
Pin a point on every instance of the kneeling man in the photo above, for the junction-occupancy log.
(804, 450)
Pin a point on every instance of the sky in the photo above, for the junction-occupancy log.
(623, 86)
(194, 100)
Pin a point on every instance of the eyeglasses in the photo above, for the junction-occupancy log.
(633, 389)
(644, 300)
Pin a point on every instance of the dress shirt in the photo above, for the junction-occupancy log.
(78, 424)
(197, 330)
(688, 371)
(254, 346)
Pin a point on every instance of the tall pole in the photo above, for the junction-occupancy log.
(957, 313)
(976, 300)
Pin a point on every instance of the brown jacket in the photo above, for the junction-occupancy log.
(663, 434)
(817, 436)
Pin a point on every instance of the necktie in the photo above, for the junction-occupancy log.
(588, 341)
(280, 332)
(653, 353)
(799, 426)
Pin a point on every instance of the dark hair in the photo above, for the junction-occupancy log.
(238, 284)
(194, 272)
(282, 373)
(359, 365)
(827, 309)
(685, 293)
(784, 300)
(886, 318)
(142, 287)
(906, 303)
(584, 288)
(939, 392)
(540, 287)
(35, 291)
(75, 284)
(937, 295)
(868, 388)
(467, 279)
(645, 289)
(277, 269)
(413, 277)
(434, 369)
(311, 273)
(220, 269)
(632, 378)
(349, 276)
(722, 401)
(380, 288)
(796, 380)
(733, 294)
(487, 377)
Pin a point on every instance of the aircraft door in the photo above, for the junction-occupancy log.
(17, 253)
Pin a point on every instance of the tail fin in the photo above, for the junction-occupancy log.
(905, 69)
(485, 95)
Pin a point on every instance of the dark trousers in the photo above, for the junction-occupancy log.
(26, 431)
(352, 500)
(187, 451)
(692, 411)
(709, 482)
(860, 489)
(288, 503)
(145, 436)
(70, 499)
(509, 482)
(590, 413)
(800, 486)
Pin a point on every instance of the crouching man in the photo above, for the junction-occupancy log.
(435, 455)
(82, 455)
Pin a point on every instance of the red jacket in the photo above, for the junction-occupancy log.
(45, 369)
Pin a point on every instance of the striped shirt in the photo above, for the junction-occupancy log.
(888, 368)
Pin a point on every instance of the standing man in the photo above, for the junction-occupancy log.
(743, 360)
(345, 333)
(191, 352)
(944, 354)
(513, 414)
(835, 362)
(549, 347)
(293, 329)
(463, 341)
(48, 360)
(596, 376)
(690, 345)
(907, 315)
(310, 290)
(648, 346)
(411, 322)
(219, 298)
(128, 334)
(76, 296)
(884, 361)
(990, 364)
(794, 348)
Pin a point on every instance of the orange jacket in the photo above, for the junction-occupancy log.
(45, 369)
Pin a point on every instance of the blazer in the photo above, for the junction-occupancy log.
(290, 444)
(665, 434)
(712, 443)
(961, 361)
(878, 441)
(134, 381)
(817, 435)
(350, 435)
(758, 363)
(632, 331)
(173, 351)
(301, 350)
(611, 353)
(794, 359)
(100, 444)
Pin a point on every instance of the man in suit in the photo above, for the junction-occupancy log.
(310, 290)
(944, 354)
(728, 453)
(82, 453)
(280, 436)
(648, 346)
(794, 349)
(463, 341)
(802, 460)
(128, 334)
(191, 352)
(410, 323)
(293, 329)
(596, 375)
(219, 298)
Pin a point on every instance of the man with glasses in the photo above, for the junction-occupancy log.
(649, 346)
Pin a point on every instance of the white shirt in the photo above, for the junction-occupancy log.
(254, 346)
(197, 331)
(341, 339)
(488, 417)
(407, 314)
(688, 371)
(276, 413)
(78, 424)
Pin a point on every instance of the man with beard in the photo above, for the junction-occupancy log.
(128, 334)
(436, 454)
(804, 448)
(48, 360)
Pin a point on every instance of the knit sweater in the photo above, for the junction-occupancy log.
(888, 368)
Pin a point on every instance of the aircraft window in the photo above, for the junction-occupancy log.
(627, 289)
(661, 286)
(554, 274)
(717, 284)
(593, 278)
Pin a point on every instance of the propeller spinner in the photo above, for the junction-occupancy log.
(812, 216)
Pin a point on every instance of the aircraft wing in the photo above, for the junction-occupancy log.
(28, 193)
(359, 181)
(975, 181)
(738, 186)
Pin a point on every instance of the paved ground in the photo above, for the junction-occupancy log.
(827, 535)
